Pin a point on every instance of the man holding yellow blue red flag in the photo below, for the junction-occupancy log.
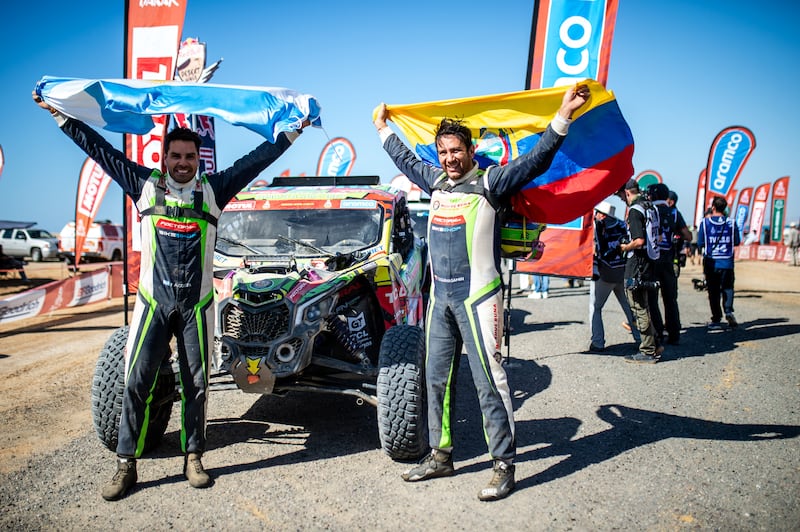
(466, 302)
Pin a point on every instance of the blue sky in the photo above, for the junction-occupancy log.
(682, 70)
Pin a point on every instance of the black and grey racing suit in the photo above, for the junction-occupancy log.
(466, 302)
(175, 294)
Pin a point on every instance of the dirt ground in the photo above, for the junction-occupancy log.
(47, 362)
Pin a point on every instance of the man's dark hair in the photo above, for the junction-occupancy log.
(182, 133)
(719, 204)
(452, 126)
(658, 191)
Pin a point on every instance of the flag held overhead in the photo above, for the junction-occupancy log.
(594, 161)
(126, 105)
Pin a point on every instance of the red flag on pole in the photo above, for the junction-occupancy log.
(152, 35)
(92, 186)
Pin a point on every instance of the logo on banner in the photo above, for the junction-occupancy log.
(647, 178)
(726, 159)
(191, 60)
(337, 158)
(572, 45)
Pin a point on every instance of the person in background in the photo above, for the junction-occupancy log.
(466, 302)
(639, 268)
(792, 241)
(179, 212)
(609, 276)
(672, 226)
(7, 262)
(717, 236)
(541, 287)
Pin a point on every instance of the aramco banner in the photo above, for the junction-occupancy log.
(570, 41)
(152, 35)
(780, 191)
(726, 158)
(92, 185)
(337, 158)
(759, 210)
(742, 213)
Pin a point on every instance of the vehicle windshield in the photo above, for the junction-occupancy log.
(286, 231)
(39, 233)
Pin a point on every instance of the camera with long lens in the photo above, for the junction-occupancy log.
(637, 283)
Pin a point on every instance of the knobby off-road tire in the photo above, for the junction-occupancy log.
(402, 414)
(107, 389)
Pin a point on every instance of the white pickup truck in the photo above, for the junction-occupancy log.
(38, 244)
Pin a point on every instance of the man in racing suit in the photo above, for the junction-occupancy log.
(179, 212)
(466, 301)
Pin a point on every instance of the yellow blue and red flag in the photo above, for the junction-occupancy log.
(594, 161)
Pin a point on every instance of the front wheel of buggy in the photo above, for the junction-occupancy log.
(108, 384)
(402, 412)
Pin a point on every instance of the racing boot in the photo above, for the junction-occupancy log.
(124, 479)
(195, 474)
(434, 465)
(501, 484)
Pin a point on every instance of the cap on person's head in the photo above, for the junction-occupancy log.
(672, 196)
(793, 224)
(632, 184)
(606, 208)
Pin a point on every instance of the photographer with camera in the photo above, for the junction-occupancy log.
(608, 276)
(672, 226)
(641, 250)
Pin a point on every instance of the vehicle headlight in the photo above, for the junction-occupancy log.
(317, 310)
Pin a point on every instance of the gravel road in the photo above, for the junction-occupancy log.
(709, 438)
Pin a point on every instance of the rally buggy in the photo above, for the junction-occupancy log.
(317, 289)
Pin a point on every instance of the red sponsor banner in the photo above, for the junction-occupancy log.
(700, 199)
(89, 287)
(152, 36)
(568, 250)
(759, 210)
(730, 198)
(92, 186)
(780, 191)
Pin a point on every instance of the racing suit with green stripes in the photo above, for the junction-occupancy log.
(466, 302)
(175, 294)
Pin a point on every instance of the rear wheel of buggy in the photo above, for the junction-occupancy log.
(107, 389)
(402, 412)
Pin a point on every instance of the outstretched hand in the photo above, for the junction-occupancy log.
(41, 103)
(380, 118)
(574, 98)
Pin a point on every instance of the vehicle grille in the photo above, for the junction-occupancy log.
(261, 327)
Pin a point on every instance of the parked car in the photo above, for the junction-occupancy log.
(38, 244)
(317, 290)
(104, 241)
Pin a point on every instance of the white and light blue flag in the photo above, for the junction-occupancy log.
(127, 105)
